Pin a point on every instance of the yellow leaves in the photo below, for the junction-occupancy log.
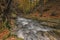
(13, 38)
(13, 14)
(12, 23)
(4, 34)
(4, 23)
(19, 39)
(45, 1)
(27, 5)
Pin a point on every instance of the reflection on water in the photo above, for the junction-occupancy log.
(33, 30)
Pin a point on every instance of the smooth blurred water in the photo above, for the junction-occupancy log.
(32, 30)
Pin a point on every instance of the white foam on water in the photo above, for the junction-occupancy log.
(20, 34)
(31, 25)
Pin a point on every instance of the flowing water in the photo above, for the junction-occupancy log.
(29, 29)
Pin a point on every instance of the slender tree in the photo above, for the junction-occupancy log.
(6, 13)
(41, 3)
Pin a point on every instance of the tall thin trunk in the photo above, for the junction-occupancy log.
(6, 13)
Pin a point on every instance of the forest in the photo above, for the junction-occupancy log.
(44, 13)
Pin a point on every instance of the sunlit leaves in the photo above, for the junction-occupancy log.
(27, 5)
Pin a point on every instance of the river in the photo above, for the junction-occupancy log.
(29, 29)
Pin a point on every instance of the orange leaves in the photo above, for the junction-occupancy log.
(4, 33)
(11, 38)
